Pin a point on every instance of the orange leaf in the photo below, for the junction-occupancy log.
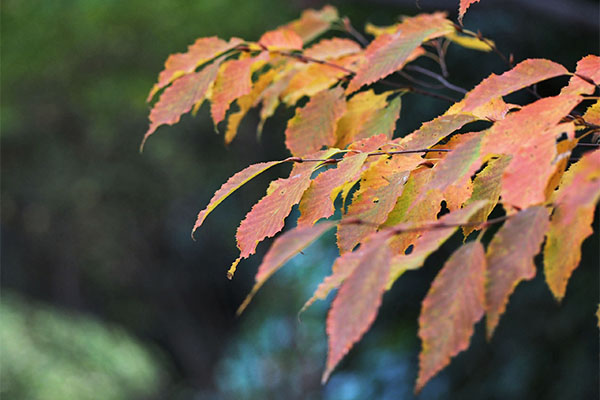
(317, 201)
(314, 125)
(450, 310)
(571, 221)
(381, 185)
(313, 23)
(588, 67)
(284, 248)
(203, 50)
(268, 215)
(332, 48)
(433, 131)
(367, 114)
(529, 136)
(312, 78)
(232, 184)
(460, 163)
(355, 307)
(389, 52)
(281, 39)
(510, 259)
(486, 186)
(180, 97)
(246, 102)
(522, 75)
(430, 240)
(592, 114)
(233, 81)
(462, 8)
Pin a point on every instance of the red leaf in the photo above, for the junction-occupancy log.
(317, 201)
(355, 307)
(510, 259)
(180, 97)
(332, 48)
(571, 221)
(281, 39)
(462, 8)
(233, 81)
(284, 248)
(268, 215)
(232, 184)
(529, 136)
(522, 75)
(314, 125)
(389, 52)
(450, 310)
(433, 131)
(588, 67)
(313, 23)
(203, 50)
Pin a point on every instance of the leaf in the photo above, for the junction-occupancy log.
(270, 96)
(462, 8)
(571, 221)
(268, 215)
(332, 48)
(432, 237)
(416, 205)
(469, 42)
(368, 114)
(312, 23)
(314, 125)
(461, 162)
(203, 50)
(389, 52)
(180, 97)
(510, 259)
(486, 186)
(314, 78)
(284, 248)
(522, 75)
(233, 81)
(355, 307)
(281, 39)
(453, 305)
(233, 184)
(592, 114)
(317, 201)
(380, 187)
(529, 136)
(246, 102)
(588, 67)
(433, 131)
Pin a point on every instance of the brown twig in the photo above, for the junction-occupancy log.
(376, 153)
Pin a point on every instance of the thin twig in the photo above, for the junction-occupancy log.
(354, 33)
(437, 77)
(418, 81)
(303, 58)
(376, 153)
(434, 225)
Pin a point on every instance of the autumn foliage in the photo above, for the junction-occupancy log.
(392, 190)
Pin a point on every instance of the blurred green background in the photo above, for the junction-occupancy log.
(104, 294)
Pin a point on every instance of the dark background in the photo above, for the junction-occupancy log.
(104, 294)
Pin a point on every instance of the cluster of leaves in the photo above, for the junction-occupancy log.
(402, 198)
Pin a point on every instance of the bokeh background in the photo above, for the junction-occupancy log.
(104, 294)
